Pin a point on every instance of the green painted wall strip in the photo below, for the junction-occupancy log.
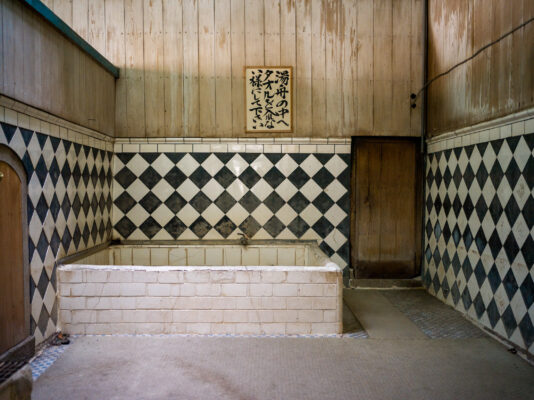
(47, 14)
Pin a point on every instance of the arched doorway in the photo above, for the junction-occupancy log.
(14, 268)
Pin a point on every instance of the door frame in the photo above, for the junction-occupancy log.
(26, 348)
(418, 195)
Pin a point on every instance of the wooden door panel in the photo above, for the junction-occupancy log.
(12, 312)
(384, 208)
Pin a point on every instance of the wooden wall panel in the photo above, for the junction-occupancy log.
(497, 82)
(172, 67)
(42, 68)
(182, 62)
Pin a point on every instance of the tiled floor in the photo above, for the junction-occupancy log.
(430, 315)
(45, 358)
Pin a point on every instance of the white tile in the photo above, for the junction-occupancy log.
(335, 215)
(35, 124)
(311, 190)
(300, 256)
(163, 190)
(286, 256)
(188, 214)
(214, 256)
(184, 148)
(137, 215)
(162, 164)
(286, 190)
(311, 165)
(254, 148)
(177, 256)
(188, 189)
(262, 214)
(44, 127)
(195, 256)
(286, 165)
(261, 165)
(218, 148)
(290, 148)
(232, 256)
(165, 148)
(159, 256)
(237, 148)
(137, 165)
(201, 148)
(268, 256)
(484, 136)
(262, 189)
(10, 116)
(343, 148)
(237, 189)
(336, 165)
(23, 120)
(237, 214)
(506, 131)
(308, 148)
(237, 165)
(283, 140)
(212, 214)
(212, 164)
(148, 148)
(335, 190)
(272, 148)
(325, 148)
(130, 148)
(286, 214)
(518, 128)
(310, 214)
(212, 189)
(141, 256)
(187, 164)
(250, 256)
(126, 256)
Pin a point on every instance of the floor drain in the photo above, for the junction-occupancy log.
(8, 368)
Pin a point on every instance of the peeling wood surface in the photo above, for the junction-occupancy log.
(497, 82)
(355, 62)
(42, 68)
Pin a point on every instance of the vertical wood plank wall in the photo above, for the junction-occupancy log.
(497, 82)
(355, 62)
(41, 67)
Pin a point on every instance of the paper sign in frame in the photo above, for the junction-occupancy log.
(290, 89)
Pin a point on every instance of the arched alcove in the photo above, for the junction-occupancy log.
(15, 334)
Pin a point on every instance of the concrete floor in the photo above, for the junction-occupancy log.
(397, 361)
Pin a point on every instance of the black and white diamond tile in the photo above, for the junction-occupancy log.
(69, 209)
(165, 196)
(479, 250)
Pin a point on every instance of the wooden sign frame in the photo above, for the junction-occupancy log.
(247, 89)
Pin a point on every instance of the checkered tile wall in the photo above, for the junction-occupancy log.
(166, 196)
(69, 209)
(479, 248)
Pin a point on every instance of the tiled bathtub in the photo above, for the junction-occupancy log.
(282, 287)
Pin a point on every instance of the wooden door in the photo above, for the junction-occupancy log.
(385, 217)
(12, 312)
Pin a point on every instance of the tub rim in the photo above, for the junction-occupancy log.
(71, 259)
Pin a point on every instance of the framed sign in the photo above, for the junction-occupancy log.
(268, 99)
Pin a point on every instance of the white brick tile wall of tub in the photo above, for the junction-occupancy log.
(174, 291)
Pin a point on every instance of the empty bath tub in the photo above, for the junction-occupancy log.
(271, 287)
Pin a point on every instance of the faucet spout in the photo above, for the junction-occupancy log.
(244, 238)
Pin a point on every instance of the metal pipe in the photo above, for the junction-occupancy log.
(423, 131)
